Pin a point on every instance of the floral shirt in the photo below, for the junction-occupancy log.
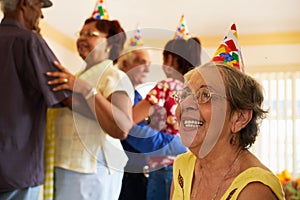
(161, 97)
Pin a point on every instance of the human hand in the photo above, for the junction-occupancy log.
(63, 79)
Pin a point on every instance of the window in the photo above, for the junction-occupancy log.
(278, 143)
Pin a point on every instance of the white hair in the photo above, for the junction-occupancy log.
(129, 55)
(11, 5)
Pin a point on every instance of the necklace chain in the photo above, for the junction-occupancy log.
(227, 172)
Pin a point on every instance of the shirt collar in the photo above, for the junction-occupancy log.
(12, 22)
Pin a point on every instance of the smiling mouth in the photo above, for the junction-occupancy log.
(82, 45)
(192, 123)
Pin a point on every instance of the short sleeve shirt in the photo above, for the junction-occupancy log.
(25, 58)
(79, 139)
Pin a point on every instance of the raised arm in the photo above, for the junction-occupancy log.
(141, 111)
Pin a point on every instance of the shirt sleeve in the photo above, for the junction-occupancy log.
(115, 80)
(43, 61)
(153, 142)
(157, 95)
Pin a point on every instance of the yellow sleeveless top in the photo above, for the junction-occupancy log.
(183, 170)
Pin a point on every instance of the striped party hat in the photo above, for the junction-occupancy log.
(229, 50)
(136, 40)
(182, 31)
(99, 11)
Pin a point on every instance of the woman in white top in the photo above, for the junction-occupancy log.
(89, 158)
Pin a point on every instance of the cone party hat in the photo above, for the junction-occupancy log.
(182, 31)
(229, 50)
(136, 40)
(100, 11)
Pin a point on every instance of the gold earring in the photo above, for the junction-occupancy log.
(107, 50)
(234, 139)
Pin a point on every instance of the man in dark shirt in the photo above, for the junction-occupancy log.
(25, 58)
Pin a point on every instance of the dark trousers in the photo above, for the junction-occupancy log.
(159, 184)
(134, 186)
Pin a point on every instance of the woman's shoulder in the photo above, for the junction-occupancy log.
(256, 173)
(262, 177)
(111, 71)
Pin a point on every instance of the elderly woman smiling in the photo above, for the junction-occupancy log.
(219, 113)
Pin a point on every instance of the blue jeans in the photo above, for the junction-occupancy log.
(159, 184)
(103, 185)
(31, 193)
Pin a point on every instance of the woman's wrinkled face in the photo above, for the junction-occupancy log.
(90, 38)
(202, 111)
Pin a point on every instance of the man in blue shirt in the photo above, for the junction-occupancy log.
(142, 140)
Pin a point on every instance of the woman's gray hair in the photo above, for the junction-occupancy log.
(244, 93)
(11, 5)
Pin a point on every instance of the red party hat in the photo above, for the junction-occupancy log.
(229, 50)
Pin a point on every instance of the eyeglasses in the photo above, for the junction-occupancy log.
(88, 34)
(202, 96)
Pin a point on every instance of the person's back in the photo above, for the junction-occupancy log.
(25, 58)
(179, 56)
